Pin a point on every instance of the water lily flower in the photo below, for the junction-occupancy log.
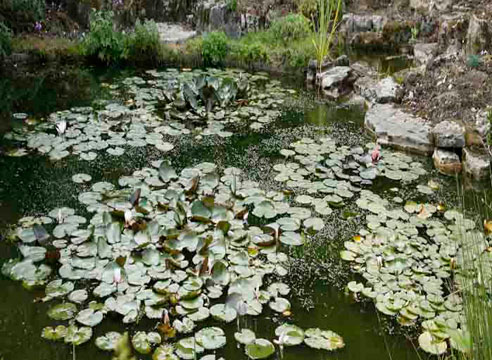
(280, 342)
(59, 217)
(117, 275)
(128, 218)
(376, 155)
(61, 126)
(165, 318)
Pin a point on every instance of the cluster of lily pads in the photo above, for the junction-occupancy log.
(160, 246)
(169, 104)
(324, 168)
(407, 257)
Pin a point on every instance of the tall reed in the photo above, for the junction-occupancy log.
(325, 27)
(475, 284)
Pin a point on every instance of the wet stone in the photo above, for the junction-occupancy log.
(398, 129)
(336, 81)
(448, 134)
(447, 162)
(387, 90)
(477, 165)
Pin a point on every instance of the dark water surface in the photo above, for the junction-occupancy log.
(33, 185)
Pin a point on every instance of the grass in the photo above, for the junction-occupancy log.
(48, 48)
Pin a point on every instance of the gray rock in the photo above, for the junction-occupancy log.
(398, 129)
(353, 23)
(387, 90)
(383, 91)
(424, 53)
(477, 165)
(174, 33)
(479, 36)
(336, 81)
(447, 162)
(449, 134)
(482, 122)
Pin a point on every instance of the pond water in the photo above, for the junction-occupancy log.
(34, 185)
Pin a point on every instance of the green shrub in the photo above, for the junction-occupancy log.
(249, 53)
(290, 27)
(144, 44)
(20, 15)
(103, 42)
(5, 41)
(232, 5)
(214, 49)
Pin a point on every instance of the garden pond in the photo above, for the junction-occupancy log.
(215, 213)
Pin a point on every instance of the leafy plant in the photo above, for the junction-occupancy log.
(102, 41)
(290, 27)
(231, 5)
(5, 40)
(415, 33)
(325, 28)
(144, 43)
(474, 61)
(214, 48)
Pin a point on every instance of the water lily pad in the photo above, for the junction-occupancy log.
(188, 348)
(143, 342)
(65, 311)
(89, 317)
(55, 334)
(81, 178)
(259, 349)
(109, 341)
(289, 335)
(323, 339)
(245, 336)
(432, 345)
(211, 338)
(78, 336)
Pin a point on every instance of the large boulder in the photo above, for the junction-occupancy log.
(479, 36)
(449, 134)
(476, 164)
(399, 129)
(447, 162)
(387, 90)
(336, 82)
(382, 91)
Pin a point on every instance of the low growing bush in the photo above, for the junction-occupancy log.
(144, 44)
(290, 28)
(5, 40)
(103, 42)
(214, 49)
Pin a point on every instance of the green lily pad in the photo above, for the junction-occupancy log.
(109, 341)
(323, 339)
(211, 338)
(65, 311)
(259, 349)
(245, 336)
(289, 335)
